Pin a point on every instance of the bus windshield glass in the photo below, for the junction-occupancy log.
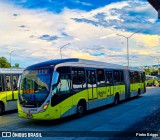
(35, 87)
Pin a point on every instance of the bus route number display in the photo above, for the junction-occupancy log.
(29, 91)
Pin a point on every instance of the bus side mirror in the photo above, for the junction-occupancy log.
(55, 78)
(19, 80)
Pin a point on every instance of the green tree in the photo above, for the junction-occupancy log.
(4, 63)
(148, 71)
(17, 65)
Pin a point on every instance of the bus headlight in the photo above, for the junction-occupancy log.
(44, 107)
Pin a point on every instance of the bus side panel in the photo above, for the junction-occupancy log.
(105, 96)
(11, 105)
(142, 87)
(122, 92)
(15, 94)
(72, 108)
(102, 92)
(66, 106)
(137, 87)
(120, 89)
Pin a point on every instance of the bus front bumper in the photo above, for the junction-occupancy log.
(49, 114)
(38, 116)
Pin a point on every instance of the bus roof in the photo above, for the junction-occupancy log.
(80, 63)
(136, 69)
(51, 63)
(11, 70)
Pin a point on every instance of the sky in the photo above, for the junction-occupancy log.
(33, 31)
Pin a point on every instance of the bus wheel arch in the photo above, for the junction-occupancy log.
(2, 108)
(116, 99)
(81, 107)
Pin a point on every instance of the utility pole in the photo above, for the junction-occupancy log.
(127, 38)
(10, 53)
(63, 47)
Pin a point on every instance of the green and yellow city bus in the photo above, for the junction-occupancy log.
(151, 80)
(8, 88)
(59, 88)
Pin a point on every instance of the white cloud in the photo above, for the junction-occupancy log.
(21, 33)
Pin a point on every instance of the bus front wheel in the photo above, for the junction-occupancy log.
(81, 108)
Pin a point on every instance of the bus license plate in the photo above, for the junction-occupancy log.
(29, 116)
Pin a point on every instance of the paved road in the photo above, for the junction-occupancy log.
(110, 118)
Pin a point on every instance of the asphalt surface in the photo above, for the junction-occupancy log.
(126, 119)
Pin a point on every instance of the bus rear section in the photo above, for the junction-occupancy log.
(151, 80)
(137, 82)
(8, 88)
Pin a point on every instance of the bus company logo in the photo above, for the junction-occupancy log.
(6, 134)
(101, 93)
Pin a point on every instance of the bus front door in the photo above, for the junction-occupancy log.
(9, 93)
(91, 84)
(14, 86)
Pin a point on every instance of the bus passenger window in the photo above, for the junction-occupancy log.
(91, 78)
(8, 83)
(78, 78)
(133, 77)
(136, 77)
(109, 78)
(143, 77)
(100, 78)
(116, 75)
(121, 77)
(130, 78)
(140, 76)
(15, 80)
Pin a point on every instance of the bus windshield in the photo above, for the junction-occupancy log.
(35, 87)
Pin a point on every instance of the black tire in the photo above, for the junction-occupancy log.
(139, 93)
(1, 109)
(116, 100)
(81, 109)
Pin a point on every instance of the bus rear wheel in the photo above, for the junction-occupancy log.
(116, 99)
(138, 93)
(81, 109)
(1, 109)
